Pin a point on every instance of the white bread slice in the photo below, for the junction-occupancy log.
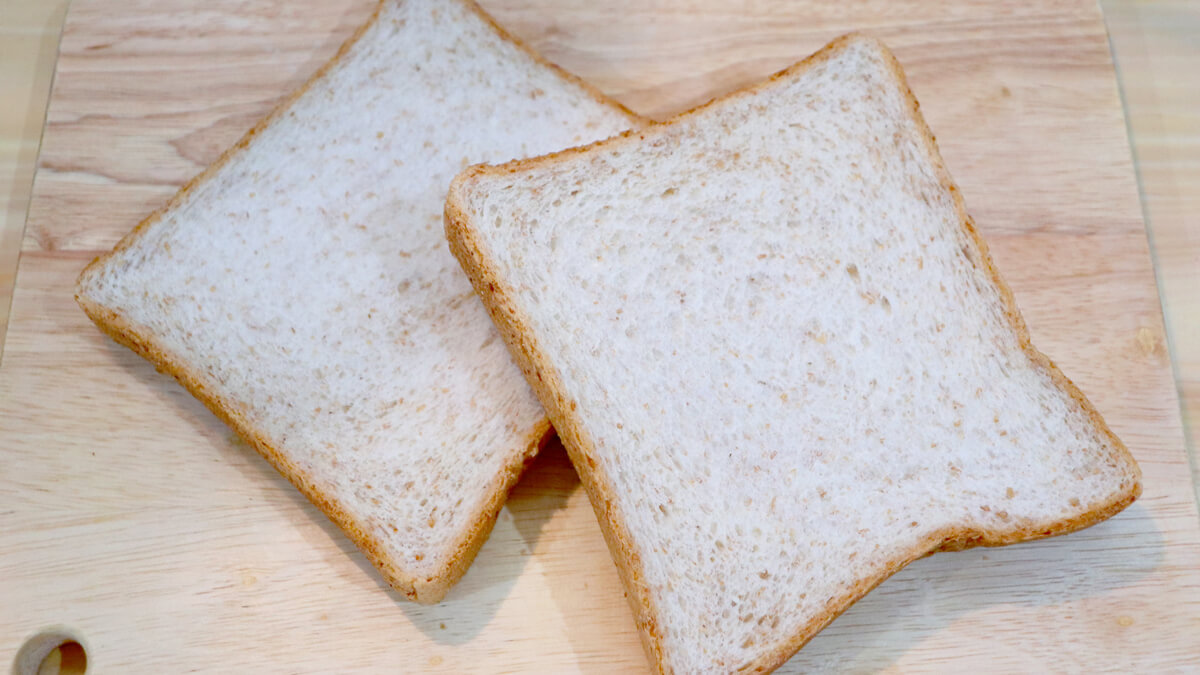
(779, 356)
(302, 289)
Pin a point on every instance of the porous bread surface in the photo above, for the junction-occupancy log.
(781, 355)
(305, 289)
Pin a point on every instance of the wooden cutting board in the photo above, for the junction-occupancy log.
(133, 520)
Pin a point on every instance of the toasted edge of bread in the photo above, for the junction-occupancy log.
(422, 589)
(498, 297)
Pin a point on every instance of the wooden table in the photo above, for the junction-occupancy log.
(132, 519)
(1157, 47)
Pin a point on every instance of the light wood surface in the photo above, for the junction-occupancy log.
(131, 518)
(29, 31)
(1157, 47)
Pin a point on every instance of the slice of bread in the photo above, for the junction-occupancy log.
(779, 356)
(301, 286)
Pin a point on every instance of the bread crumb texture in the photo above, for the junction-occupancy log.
(306, 284)
(788, 356)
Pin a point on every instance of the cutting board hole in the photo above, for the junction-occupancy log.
(51, 652)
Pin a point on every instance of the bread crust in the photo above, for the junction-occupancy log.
(498, 298)
(424, 588)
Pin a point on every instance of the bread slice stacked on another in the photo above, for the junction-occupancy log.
(780, 357)
(302, 289)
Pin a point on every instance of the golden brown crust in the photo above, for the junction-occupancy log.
(567, 75)
(423, 588)
(142, 342)
(544, 378)
(497, 296)
(138, 231)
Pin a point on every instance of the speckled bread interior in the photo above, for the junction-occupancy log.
(301, 286)
(780, 357)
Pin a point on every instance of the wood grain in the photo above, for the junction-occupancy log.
(131, 516)
(1155, 42)
(29, 31)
